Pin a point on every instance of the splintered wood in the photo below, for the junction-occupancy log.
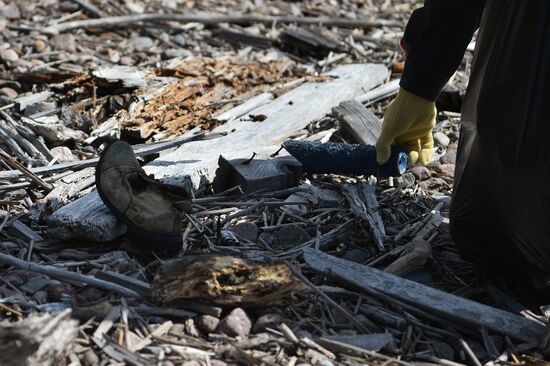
(226, 281)
(206, 86)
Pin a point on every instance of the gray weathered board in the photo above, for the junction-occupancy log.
(358, 121)
(87, 218)
(447, 306)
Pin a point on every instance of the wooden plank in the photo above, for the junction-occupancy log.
(257, 173)
(358, 121)
(455, 309)
(286, 115)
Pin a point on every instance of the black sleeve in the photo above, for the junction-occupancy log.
(435, 40)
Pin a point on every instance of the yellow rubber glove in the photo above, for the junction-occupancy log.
(408, 122)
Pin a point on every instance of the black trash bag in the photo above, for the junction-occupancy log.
(500, 214)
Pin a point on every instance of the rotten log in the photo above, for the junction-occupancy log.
(133, 20)
(454, 309)
(289, 113)
(226, 281)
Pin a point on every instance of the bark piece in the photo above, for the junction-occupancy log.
(40, 339)
(225, 281)
(358, 121)
(307, 42)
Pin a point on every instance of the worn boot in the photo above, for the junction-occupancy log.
(143, 204)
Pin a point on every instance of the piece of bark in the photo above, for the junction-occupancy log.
(257, 174)
(414, 255)
(241, 39)
(358, 121)
(310, 101)
(225, 281)
(40, 339)
(307, 42)
(369, 212)
(455, 309)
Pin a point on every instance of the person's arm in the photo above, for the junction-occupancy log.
(435, 40)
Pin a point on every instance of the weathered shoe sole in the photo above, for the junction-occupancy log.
(143, 238)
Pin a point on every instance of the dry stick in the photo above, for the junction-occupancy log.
(338, 307)
(15, 164)
(469, 352)
(61, 274)
(126, 20)
(140, 150)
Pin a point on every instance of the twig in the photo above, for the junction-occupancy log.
(15, 164)
(66, 275)
(126, 20)
(338, 307)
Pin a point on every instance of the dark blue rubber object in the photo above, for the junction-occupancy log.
(346, 159)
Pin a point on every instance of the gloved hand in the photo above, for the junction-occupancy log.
(408, 122)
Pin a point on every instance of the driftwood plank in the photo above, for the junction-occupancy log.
(456, 309)
(358, 121)
(286, 115)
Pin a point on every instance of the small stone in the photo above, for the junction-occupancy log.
(40, 45)
(91, 295)
(246, 230)
(3, 24)
(441, 139)
(191, 363)
(8, 93)
(11, 10)
(217, 363)
(290, 236)
(207, 323)
(303, 334)
(236, 324)
(434, 183)
(191, 328)
(63, 154)
(447, 170)
(450, 155)
(356, 255)
(89, 358)
(9, 55)
(65, 42)
(420, 172)
(126, 61)
(267, 321)
(173, 53)
(180, 40)
(140, 43)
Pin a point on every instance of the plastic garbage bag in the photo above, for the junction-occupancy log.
(500, 214)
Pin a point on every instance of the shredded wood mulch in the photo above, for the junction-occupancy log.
(239, 292)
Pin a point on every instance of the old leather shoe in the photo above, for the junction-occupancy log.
(143, 204)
